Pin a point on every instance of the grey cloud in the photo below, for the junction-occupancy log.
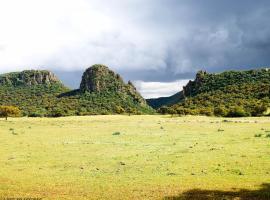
(164, 40)
(182, 37)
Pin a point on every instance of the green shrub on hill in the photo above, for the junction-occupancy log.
(229, 94)
(41, 94)
(9, 111)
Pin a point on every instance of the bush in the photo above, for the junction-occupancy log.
(180, 111)
(220, 111)
(116, 133)
(36, 114)
(57, 113)
(119, 110)
(258, 135)
(130, 110)
(9, 111)
(171, 111)
(258, 110)
(237, 111)
(206, 111)
(163, 110)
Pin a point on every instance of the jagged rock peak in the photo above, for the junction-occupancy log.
(99, 78)
(193, 86)
(29, 78)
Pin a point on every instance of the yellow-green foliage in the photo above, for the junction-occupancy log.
(228, 94)
(40, 93)
(9, 111)
(150, 157)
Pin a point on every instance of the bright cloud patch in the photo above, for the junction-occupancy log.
(159, 89)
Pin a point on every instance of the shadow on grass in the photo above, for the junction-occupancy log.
(263, 193)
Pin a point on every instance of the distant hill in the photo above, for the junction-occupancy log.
(41, 93)
(165, 101)
(29, 78)
(231, 93)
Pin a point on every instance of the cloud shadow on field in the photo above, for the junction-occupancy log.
(263, 193)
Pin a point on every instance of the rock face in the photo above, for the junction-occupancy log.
(100, 79)
(29, 78)
(193, 86)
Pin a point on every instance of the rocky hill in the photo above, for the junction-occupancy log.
(207, 82)
(41, 93)
(100, 79)
(230, 93)
(29, 78)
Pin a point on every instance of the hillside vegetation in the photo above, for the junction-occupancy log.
(228, 94)
(40, 93)
(231, 94)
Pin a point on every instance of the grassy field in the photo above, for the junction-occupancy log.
(135, 157)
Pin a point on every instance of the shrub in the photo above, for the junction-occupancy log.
(116, 133)
(220, 111)
(9, 111)
(57, 112)
(258, 135)
(119, 110)
(163, 110)
(130, 110)
(237, 111)
(36, 114)
(206, 111)
(180, 111)
(258, 110)
(171, 111)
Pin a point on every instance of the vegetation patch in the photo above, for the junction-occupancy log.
(228, 94)
(116, 133)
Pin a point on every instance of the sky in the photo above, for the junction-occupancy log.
(157, 44)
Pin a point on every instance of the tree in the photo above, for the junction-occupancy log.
(57, 112)
(237, 111)
(163, 110)
(119, 109)
(172, 111)
(206, 111)
(220, 111)
(258, 110)
(130, 111)
(9, 111)
(180, 111)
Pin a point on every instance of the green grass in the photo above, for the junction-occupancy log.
(153, 157)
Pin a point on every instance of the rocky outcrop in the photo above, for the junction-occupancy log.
(193, 87)
(29, 78)
(100, 79)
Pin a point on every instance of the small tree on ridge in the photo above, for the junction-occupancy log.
(9, 111)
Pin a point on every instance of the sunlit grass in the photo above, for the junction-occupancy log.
(131, 157)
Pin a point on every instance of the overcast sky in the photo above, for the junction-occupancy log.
(162, 41)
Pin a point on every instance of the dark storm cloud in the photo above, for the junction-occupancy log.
(221, 35)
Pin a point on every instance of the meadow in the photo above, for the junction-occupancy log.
(135, 157)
